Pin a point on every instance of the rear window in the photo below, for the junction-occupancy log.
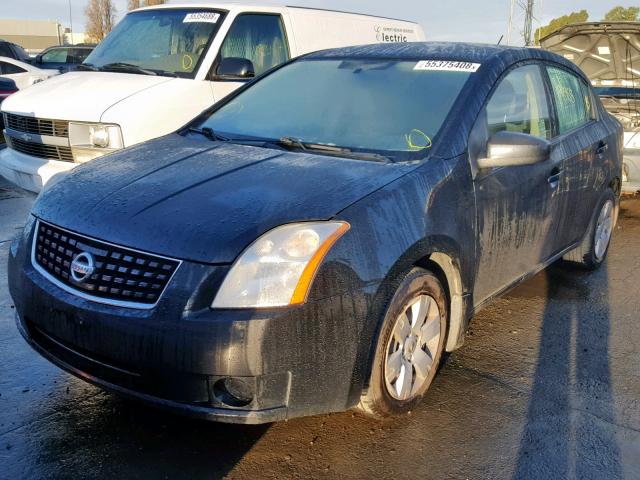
(5, 50)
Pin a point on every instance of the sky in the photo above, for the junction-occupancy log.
(454, 20)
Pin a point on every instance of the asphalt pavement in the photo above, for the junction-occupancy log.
(546, 386)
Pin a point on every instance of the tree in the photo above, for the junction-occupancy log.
(101, 15)
(630, 14)
(558, 23)
(133, 4)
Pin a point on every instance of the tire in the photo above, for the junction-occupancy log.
(406, 350)
(592, 252)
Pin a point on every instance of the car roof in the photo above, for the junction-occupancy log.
(55, 47)
(455, 51)
(464, 52)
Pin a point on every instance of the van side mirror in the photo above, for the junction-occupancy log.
(235, 68)
(510, 149)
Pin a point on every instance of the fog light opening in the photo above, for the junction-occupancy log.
(234, 392)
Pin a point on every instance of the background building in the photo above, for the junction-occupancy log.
(36, 35)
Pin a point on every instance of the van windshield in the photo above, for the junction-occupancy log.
(163, 41)
(389, 107)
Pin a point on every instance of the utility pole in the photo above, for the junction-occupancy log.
(510, 26)
(70, 24)
(528, 22)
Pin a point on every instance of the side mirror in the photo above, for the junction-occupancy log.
(510, 149)
(235, 68)
(38, 59)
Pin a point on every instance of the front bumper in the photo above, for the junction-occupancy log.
(179, 355)
(30, 173)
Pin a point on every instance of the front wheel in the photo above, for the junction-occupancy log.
(409, 347)
(595, 246)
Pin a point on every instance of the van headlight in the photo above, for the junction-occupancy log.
(92, 140)
(278, 269)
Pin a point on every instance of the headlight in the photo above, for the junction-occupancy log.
(278, 268)
(92, 140)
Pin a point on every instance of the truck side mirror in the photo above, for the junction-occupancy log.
(510, 149)
(234, 68)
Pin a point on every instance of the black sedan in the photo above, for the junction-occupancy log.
(64, 58)
(319, 239)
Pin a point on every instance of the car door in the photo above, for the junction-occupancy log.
(55, 58)
(258, 37)
(516, 206)
(583, 143)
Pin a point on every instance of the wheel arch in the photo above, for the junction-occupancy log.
(448, 272)
(441, 255)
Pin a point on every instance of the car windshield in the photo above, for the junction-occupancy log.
(163, 41)
(390, 107)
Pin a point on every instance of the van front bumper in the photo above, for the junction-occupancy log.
(30, 173)
(239, 366)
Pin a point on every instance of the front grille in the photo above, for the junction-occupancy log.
(121, 277)
(51, 152)
(39, 126)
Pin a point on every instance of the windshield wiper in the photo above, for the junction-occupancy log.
(87, 66)
(291, 142)
(126, 67)
(208, 133)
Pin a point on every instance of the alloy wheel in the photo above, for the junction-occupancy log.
(412, 347)
(603, 230)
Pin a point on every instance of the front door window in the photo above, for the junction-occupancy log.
(258, 38)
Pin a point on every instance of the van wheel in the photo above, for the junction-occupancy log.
(410, 346)
(594, 248)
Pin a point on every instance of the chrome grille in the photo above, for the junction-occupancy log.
(41, 150)
(38, 126)
(122, 276)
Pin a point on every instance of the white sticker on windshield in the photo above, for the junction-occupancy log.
(446, 65)
(202, 17)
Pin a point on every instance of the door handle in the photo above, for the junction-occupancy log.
(602, 148)
(554, 178)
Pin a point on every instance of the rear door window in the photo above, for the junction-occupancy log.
(259, 38)
(79, 54)
(572, 98)
(519, 104)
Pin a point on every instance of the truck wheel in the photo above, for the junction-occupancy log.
(410, 346)
(593, 250)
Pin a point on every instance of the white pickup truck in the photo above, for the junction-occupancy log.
(159, 68)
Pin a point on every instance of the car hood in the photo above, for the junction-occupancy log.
(79, 96)
(601, 50)
(204, 201)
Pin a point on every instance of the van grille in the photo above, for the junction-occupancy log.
(38, 126)
(41, 150)
(122, 276)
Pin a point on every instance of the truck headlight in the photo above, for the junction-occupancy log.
(278, 269)
(92, 140)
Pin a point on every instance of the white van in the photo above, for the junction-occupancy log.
(160, 67)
